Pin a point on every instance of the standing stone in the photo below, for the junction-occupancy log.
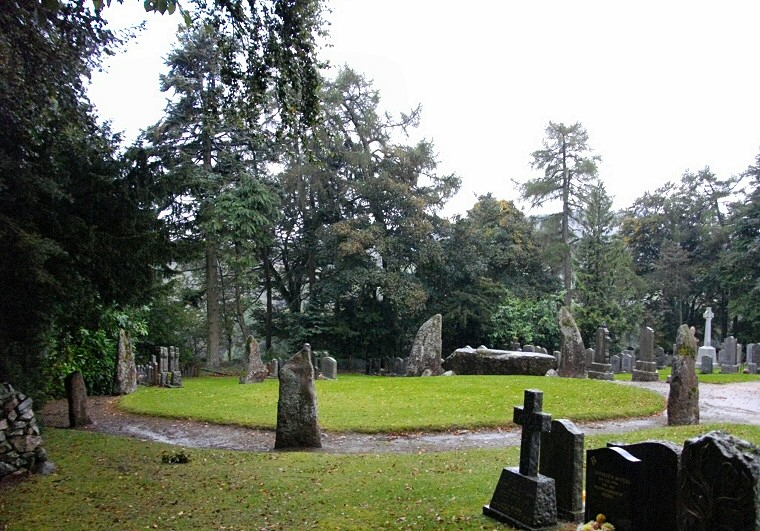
(257, 371)
(523, 497)
(562, 460)
(615, 488)
(683, 398)
(126, 370)
(600, 369)
(572, 358)
(330, 368)
(426, 349)
(76, 392)
(297, 417)
(646, 366)
(660, 461)
(719, 484)
(275, 368)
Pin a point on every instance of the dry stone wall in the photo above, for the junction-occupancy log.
(20, 442)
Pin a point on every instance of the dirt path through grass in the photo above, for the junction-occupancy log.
(737, 402)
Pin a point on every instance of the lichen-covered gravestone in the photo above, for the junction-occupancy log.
(426, 349)
(573, 354)
(257, 372)
(683, 398)
(297, 417)
(126, 370)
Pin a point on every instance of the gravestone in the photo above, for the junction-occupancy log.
(523, 497)
(646, 366)
(615, 364)
(626, 361)
(615, 488)
(707, 364)
(562, 460)
(660, 477)
(164, 366)
(707, 349)
(297, 417)
(126, 370)
(719, 484)
(515, 346)
(398, 366)
(257, 371)
(275, 368)
(426, 349)
(753, 353)
(76, 393)
(529, 348)
(330, 368)
(600, 369)
(174, 373)
(659, 357)
(589, 357)
(728, 356)
(572, 356)
(683, 398)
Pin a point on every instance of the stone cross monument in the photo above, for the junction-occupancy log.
(524, 498)
(707, 350)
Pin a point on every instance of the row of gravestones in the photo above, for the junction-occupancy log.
(165, 372)
(712, 483)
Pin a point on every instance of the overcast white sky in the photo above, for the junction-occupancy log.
(661, 87)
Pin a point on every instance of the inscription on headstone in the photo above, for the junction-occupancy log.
(614, 488)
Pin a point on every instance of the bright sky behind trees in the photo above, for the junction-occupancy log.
(661, 87)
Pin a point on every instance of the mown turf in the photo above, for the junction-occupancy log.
(714, 378)
(108, 482)
(382, 404)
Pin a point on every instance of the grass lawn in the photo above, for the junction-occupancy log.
(108, 482)
(381, 404)
(714, 378)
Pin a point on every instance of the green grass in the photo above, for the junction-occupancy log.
(107, 482)
(381, 404)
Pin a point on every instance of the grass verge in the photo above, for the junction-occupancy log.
(107, 482)
(380, 404)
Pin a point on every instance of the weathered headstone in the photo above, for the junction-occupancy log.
(426, 349)
(752, 368)
(175, 373)
(707, 364)
(728, 356)
(646, 366)
(660, 479)
(515, 346)
(753, 353)
(523, 497)
(600, 369)
(257, 371)
(626, 361)
(707, 349)
(589, 357)
(562, 460)
(330, 368)
(683, 398)
(659, 356)
(572, 358)
(297, 416)
(126, 370)
(719, 484)
(615, 364)
(529, 348)
(164, 366)
(615, 488)
(76, 392)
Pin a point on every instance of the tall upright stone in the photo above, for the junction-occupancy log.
(562, 460)
(646, 366)
(707, 349)
(683, 398)
(426, 349)
(572, 358)
(524, 498)
(76, 392)
(125, 381)
(729, 356)
(600, 369)
(257, 372)
(330, 368)
(297, 416)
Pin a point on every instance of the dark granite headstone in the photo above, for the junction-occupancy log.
(719, 484)
(615, 488)
(601, 369)
(661, 461)
(524, 498)
(562, 460)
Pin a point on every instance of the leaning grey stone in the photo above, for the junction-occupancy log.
(126, 370)
(573, 354)
(257, 372)
(683, 398)
(426, 349)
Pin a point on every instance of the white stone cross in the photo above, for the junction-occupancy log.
(708, 315)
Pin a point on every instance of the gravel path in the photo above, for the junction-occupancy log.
(739, 403)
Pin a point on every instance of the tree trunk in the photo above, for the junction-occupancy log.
(566, 262)
(76, 393)
(213, 312)
(268, 284)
